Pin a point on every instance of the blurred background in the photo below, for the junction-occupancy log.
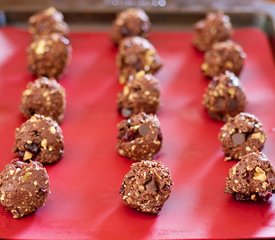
(99, 13)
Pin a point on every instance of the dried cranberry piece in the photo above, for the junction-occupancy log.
(33, 148)
(160, 136)
(130, 135)
(265, 196)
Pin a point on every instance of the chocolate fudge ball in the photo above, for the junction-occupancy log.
(24, 187)
(139, 137)
(223, 56)
(137, 54)
(46, 97)
(39, 138)
(224, 97)
(140, 94)
(47, 22)
(49, 55)
(252, 178)
(130, 22)
(241, 135)
(147, 186)
(216, 27)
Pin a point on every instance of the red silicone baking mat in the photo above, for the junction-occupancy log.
(84, 200)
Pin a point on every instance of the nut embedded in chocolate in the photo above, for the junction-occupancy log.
(146, 187)
(223, 56)
(139, 137)
(130, 22)
(47, 22)
(241, 135)
(252, 178)
(39, 138)
(137, 54)
(49, 55)
(46, 97)
(216, 27)
(140, 94)
(224, 97)
(24, 187)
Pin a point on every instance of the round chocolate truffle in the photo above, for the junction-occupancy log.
(39, 138)
(46, 97)
(137, 54)
(223, 56)
(241, 135)
(224, 97)
(49, 55)
(147, 186)
(216, 27)
(47, 22)
(24, 187)
(139, 137)
(130, 22)
(140, 94)
(252, 178)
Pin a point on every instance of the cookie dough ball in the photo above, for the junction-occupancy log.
(223, 56)
(137, 54)
(47, 22)
(139, 137)
(130, 22)
(252, 178)
(216, 27)
(241, 135)
(146, 187)
(224, 97)
(49, 55)
(140, 94)
(24, 187)
(39, 138)
(46, 97)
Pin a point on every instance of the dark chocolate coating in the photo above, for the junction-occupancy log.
(223, 56)
(224, 97)
(216, 27)
(47, 22)
(140, 94)
(146, 187)
(39, 138)
(252, 178)
(137, 54)
(130, 22)
(24, 187)
(44, 96)
(139, 137)
(241, 135)
(49, 55)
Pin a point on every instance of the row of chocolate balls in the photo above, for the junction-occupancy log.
(242, 136)
(24, 183)
(147, 185)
